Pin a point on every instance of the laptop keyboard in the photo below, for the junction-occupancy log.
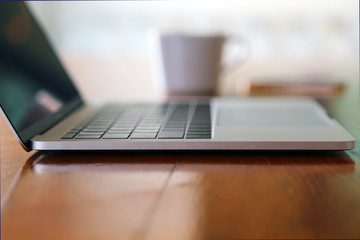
(162, 121)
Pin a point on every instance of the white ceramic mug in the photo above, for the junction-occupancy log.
(184, 64)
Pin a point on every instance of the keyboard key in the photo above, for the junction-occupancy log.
(143, 135)
(174, 127)
(116, 136)
(148, 126)
(96, 128)
(87, 136)
(198, 136)
(203, 124)
(146, 130)
(199, 132)
(119, 131)
(91, 133)
(68, 136)
(171, 135)
(200, 127)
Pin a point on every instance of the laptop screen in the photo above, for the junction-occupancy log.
(34, 87)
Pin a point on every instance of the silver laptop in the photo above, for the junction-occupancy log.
(46, 112)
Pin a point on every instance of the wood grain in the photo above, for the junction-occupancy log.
(12, 159)
(85, 196)
(267, 195)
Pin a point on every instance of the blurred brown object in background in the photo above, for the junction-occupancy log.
(309, 85)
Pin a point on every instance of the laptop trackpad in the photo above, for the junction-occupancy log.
(271, 115)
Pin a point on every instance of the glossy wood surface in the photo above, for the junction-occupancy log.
(183, 195)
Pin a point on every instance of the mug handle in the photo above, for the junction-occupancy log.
(236, 51)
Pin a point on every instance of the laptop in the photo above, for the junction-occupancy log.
(46, 112)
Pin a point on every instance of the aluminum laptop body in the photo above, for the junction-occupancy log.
(43, 108)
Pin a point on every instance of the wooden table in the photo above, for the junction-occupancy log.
(183, 195)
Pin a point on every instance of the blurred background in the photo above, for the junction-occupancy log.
(104, 44)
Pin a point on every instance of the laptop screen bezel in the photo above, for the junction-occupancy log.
(43, 125)
(47, 122)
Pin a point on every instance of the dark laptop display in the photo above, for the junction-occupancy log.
(30, 70)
